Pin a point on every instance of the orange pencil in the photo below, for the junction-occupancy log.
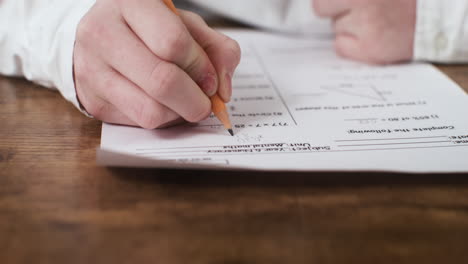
(217, 105)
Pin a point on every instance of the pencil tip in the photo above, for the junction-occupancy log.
(231, 132)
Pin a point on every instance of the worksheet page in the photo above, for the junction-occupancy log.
(297, 106)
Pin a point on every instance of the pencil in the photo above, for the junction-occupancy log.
(217, 105)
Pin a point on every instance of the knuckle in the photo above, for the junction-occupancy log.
(174, 44)
(97, 109)
(195, 17)
(148, 116)
(317, 5)
(197, 63)
(163, 78)
(89, 28)
(234, 49)
(94, 35)
(340, 49)
(346, 48)
(84, 28)
(340, 45)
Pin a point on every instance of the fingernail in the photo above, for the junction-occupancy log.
(209, 84)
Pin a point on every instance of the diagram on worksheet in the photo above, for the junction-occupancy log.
(367, 91)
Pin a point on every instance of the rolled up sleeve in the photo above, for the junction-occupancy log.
(37, 41)
(441, 31)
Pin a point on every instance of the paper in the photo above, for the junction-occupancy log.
(297, 106)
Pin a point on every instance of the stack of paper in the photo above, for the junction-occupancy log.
(297, 106)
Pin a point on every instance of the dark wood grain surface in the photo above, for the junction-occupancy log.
(57, 206)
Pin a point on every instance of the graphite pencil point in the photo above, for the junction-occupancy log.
(231, 132)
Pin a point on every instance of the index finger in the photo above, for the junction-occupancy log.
(164, 33)
(223, 51)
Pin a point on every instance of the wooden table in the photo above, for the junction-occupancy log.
(57, 206)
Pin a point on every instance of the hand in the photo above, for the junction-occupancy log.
(136, 63)
(373, 31)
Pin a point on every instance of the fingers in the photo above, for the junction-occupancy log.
(97, 107)
(170, 40)
(223, 51)
(123, 51)
(354, 48)
(167, 85)
(138, 64)
(173, 123)
(110, 114)
(175, 89)
(162, 81)
(331, 8)
(133, 102)
(110, 97)
(349, 24)
(347, 46)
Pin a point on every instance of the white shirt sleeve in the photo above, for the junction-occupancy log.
(37, 36)
(441, 31)
(37, 39)
(291, 16)
(441, 28)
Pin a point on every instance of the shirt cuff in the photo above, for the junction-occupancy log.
(67, 32)
(441, 31)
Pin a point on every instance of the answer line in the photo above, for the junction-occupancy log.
(194, 147)
(361, 119)
(383, 139)
(311, 152)
(400, 143)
